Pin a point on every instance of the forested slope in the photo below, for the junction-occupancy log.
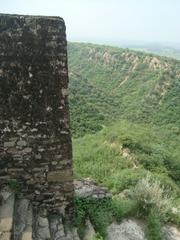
(125, 116)
(108, 83)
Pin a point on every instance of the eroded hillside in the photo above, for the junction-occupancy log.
(130, 102)
(111, 83)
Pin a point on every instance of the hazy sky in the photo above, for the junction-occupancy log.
(108, 20)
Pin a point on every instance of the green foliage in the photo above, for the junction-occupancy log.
(174, 218)
(107, 83)
(101, 213)
(122, 208)
(153, 227)
(125, 121)
(151, 196)
(125, 179)
(80, 216)
(173, 215)
(97, 237)
(98, 211)
(100, 156)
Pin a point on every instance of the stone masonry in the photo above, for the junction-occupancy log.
(35, 140)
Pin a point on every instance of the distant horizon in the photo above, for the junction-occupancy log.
(130, 43)
(109, 21)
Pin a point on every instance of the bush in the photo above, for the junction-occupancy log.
(125, 179)
(98, 211)
(122, 208)
(101, 213)
(165, 180)
(152, 196)
(174, 218)
(80, 216)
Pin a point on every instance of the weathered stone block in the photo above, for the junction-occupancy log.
(60, 176)
(6, 213)
(34, 112)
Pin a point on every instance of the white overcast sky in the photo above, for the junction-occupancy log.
(108, 20)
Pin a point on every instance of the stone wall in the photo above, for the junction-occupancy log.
(19, 220)
(35, 141)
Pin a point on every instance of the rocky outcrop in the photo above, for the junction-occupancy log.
(133, 229)
(127, 230)
(170, 233)
(87, 188)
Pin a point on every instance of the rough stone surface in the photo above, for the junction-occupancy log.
(89, 231)
(41, 225)
(19, 220)
(170, 233)
(22, 220)
(127, 230)
(6, 214)
(86, 188)
(57, 227)
(5, 236)
(75, 234)
(35, 141)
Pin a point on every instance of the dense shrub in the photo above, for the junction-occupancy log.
(101, 213)
(122, 208)
(125, 179)
(98, 211)
(152, 196)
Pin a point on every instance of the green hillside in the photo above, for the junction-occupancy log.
(108, 83)
(125, 117)
(133, 98)
(119, 155)
(168, 51)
